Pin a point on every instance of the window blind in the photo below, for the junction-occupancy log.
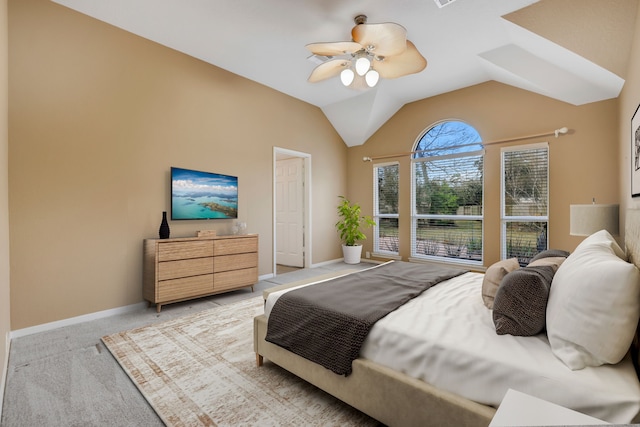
(525, 201)
(386, 187)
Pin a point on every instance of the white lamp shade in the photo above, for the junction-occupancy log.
(372, 78)
(587, 219)
(362, 66)
(346, 76)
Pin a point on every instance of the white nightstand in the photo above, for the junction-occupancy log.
(519, 409)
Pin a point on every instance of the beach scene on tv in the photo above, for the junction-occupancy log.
(203, 195)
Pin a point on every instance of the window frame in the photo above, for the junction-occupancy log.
(505, 219)
(415, 217)
(377, 215)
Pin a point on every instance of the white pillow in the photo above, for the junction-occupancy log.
(605, 238)
(594, 304)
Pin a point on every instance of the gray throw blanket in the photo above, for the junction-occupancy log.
(327, 323)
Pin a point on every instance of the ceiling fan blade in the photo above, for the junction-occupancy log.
(409, 62)
(327, 70)
(333, 48)
(385, 39)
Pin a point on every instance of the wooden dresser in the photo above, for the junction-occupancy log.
(191, 267)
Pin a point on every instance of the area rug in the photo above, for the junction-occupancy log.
(200, 370)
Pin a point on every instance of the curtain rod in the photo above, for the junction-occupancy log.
(557, 132)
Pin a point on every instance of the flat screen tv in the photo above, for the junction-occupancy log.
(203, 195)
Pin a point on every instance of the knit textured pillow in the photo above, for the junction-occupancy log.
(520, 305)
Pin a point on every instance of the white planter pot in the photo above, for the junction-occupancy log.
(352, 254)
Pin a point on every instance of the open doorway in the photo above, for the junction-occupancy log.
(291, 229)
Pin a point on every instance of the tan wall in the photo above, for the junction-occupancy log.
(5, 323)
(97, 117)
(583, 163)
(629, 101)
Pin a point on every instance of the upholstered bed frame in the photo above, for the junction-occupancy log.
(391, 397)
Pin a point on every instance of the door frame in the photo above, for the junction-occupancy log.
(306, 215)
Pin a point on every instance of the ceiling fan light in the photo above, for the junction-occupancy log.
(362, 66)
(346, 76)
(372, 78)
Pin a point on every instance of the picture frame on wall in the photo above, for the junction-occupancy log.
(635, 153)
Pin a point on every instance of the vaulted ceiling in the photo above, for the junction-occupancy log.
(575, 51)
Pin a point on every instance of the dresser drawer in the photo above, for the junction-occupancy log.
(184, 268)
(235, 279)
(169, 251)
(185, 287)
(235, 262)
(235, 246)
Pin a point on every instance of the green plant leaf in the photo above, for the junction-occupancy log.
(351, 221)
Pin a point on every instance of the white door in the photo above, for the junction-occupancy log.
(289, 212)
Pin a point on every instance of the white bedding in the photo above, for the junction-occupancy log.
(447, 338)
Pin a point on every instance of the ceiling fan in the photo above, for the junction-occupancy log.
(377, 50)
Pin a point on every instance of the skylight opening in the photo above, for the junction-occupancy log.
(443, 3)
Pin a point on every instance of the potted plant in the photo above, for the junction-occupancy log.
(350, 229)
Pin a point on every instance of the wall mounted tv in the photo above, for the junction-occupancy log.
(203, 195)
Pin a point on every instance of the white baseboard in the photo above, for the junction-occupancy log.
(331, 261)
(266, 276)
(75, 320)
(335, 261)
(120, 310)
(5, 371)
(94, 316)
(320, 264)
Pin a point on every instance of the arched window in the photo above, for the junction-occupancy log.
(447, 193)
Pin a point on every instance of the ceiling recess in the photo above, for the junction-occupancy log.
(443, 3)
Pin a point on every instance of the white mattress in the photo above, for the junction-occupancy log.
(446, 337)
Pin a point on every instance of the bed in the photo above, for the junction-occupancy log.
(389, 381)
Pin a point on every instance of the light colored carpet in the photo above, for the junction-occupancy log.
(200, 370)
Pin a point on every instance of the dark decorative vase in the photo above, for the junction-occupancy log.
(164, 227)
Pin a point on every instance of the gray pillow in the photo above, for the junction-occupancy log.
(520, 304)
(550, 253)
(552, 261)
